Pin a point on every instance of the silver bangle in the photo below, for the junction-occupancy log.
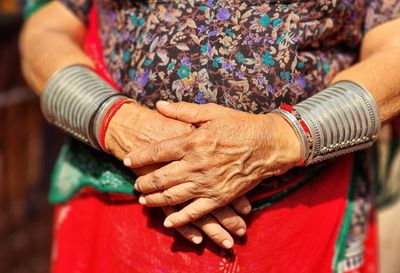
(76, 99)
(301, 134)
(350, 126)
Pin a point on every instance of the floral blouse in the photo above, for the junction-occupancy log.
(251, 55)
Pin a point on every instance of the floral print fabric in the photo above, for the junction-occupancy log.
(251, 55)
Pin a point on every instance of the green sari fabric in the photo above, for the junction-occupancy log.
(31, 6)
(80, 166)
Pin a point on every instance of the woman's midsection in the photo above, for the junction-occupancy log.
(244, 55)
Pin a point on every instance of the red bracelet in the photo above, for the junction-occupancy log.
(106, 121)
(289, 108)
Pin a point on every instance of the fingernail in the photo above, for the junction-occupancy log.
(163, 102)
(197, 240)
(227, 244)
(142, 200)
(246, 210)
(240, 232)
(127, 162)
(167, 223)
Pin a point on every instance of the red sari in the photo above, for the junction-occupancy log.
(304, 232)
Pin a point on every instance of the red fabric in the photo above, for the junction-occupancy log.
(95, 233)
(297, 234)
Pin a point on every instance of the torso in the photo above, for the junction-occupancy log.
(249, 55)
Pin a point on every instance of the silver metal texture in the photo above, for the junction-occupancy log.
(72, 99)
(342, 118)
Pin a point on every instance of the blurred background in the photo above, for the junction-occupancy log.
(26, 163)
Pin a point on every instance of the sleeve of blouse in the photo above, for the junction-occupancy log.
(80, 8)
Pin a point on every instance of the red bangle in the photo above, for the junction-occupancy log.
(106, 121)
(289, 108)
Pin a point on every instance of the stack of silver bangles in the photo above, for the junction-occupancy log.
(76, 100)
(340, 119)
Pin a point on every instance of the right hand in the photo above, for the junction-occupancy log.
(134, 127)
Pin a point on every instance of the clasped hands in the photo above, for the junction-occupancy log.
(208, 157)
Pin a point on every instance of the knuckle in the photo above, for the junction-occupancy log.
(180, 107)
(232, 223)
(190, 215)
(185, 231)
(138, 186)
(203, 221)
(216, 235)
(155, 181)
(169, 198)
(154, 152)
(218, 197)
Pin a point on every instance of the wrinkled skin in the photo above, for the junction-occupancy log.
(226, 156)
(135, 127)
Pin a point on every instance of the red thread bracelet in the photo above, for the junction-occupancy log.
(289, 108)
(106, 121)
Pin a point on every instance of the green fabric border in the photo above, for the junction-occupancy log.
(31, 6)
(80, 166)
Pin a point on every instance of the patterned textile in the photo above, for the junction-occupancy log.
(249, 55)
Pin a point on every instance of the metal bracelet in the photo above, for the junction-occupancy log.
(75, 99)
(342, 118)
(301, 134)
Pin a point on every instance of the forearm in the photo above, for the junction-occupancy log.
(51, 39)
(378, 69)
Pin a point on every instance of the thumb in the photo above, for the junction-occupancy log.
(184, 111)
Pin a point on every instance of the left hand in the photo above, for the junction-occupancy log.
(226, 156)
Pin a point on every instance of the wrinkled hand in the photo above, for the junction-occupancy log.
(135, 127)
(226, 156)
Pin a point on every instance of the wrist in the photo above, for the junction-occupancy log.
(284, 143)
(115, 140)
(104, 116)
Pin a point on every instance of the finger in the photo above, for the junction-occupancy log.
(193, 211)
(230, 220)
(215, 231)
(188, 231)
(242, 205)
(172, 196)
(184, 111)
(164, 151)
(170, 175)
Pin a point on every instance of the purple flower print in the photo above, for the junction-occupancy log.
(223, 15)
(144, 78)
(212, 33)
(228, 66)
(202, 28)
(300, 81)
(261, 80)
(186, 61)
(239, 74)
